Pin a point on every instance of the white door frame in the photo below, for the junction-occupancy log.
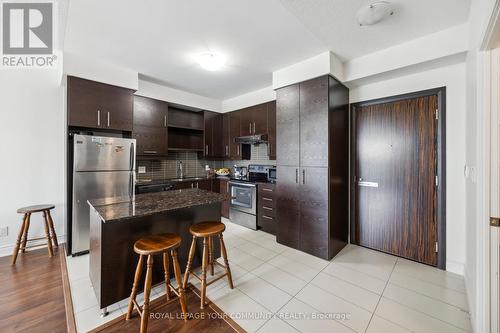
(488, 199)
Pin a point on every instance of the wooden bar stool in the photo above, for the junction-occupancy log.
(207, 230)
(150, 246)
(50, 233)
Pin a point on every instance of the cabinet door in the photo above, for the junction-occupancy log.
(246, 121)
(314, 237)
(259, 119)
(208, 148)
(150, 112)
(151, 141)
(226, 135)
(271, 130)
(118, 107)
(288, 206)
(204, 184)
(217, 137)
(314, 122)
(83, 103)
(224, 189)
(287, 125)
(234, 132)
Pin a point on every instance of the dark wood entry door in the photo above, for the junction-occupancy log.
(395, 168)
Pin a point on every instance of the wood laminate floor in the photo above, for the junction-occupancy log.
(31, 293)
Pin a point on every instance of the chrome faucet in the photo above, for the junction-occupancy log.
(180, 171)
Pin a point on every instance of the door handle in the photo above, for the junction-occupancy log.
(132, 156)
(367, 184)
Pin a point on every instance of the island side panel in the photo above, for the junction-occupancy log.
(95, 251)
(119, 261)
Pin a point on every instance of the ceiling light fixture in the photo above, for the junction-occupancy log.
(374, 13)
(211, 61)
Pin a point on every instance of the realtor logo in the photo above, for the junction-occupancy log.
(28, 29)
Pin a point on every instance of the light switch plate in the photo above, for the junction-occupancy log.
(4, 231)
(142, 169)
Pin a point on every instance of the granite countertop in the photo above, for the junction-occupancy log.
(176, 180)
(122, 208)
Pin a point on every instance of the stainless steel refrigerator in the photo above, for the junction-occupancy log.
(103, 167)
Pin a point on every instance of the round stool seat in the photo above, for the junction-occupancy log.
(156, 244)
(35, 209)
(206, 229)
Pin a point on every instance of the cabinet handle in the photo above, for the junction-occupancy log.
(206, 150)
(197, 186)
(238, 150)
(192, 185)
(267, 199)
(250, 127)
(267, 190)
(268, 208)
(150, 152)
(296, 176)
(227, 150)
(253, 128)
(98, 117)
(165, 121)
(108, 118)
(267, 217)
(303, 176)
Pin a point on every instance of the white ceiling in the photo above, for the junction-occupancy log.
(334, 23)
(158, 38)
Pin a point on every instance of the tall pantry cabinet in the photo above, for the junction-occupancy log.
(312, 142)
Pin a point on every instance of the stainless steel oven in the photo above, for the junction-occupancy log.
(243, 204)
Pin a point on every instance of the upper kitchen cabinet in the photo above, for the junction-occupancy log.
(185, 130)
(271, 130)
(214, 143)
(150, 126)
(253, 120)
(97, 105)
(234, 133)
(226, 141)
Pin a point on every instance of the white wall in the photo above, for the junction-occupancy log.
(260, 96)
(32, 150)
(453, 77)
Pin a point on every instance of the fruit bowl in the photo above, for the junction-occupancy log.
(222, 172)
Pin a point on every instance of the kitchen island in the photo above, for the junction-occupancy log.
(116, 223)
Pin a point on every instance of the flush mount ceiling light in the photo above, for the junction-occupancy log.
(374, 13)
(211, 61)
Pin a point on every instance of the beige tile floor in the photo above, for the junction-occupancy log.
(279, 289)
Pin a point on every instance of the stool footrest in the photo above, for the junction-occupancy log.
(211, 281)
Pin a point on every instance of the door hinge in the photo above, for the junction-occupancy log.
(437, 181)
(437, 114)
(495, 221)
(436, 248)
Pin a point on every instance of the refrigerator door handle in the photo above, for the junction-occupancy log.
(132, 156)
(131, 185)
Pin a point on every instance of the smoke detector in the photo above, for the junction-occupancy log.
(374, 13)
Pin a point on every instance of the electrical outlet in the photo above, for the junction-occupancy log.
(4, 231)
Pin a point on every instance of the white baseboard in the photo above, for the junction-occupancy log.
(455, 267)
(6, 250)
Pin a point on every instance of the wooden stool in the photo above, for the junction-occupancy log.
(50, 233)
(150, 246)
(207, 230)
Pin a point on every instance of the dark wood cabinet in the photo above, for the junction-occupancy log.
(266, 207)
(312, 172)
(234, 132)
(271, 130)
(288, 206)
(224, 189)
(150, 126)
(214, 145)
(97, 105)
(253, 120)
(226, 137)
(287, 126)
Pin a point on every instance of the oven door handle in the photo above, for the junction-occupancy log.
(242, 184)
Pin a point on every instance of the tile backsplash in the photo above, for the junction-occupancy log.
(167, 168)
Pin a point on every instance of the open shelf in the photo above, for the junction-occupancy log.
(185, 119)
(185, 128)
(185, 139)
